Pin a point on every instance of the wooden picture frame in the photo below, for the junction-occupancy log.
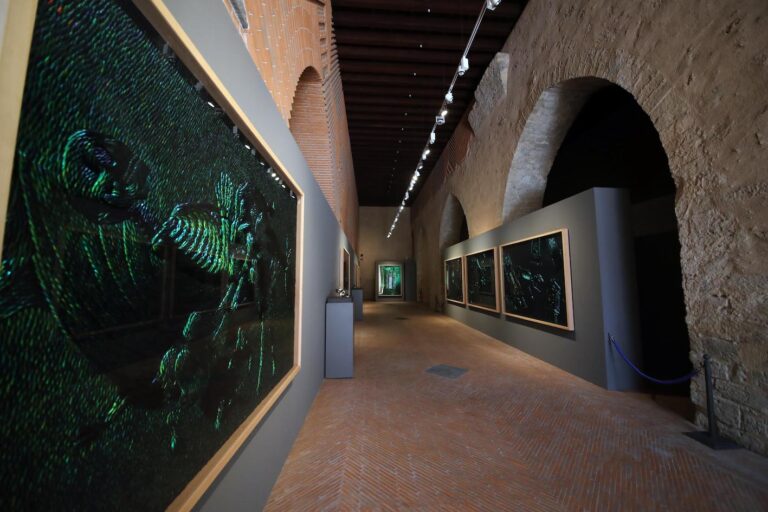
(463, 300)
(380, 264)
(14, 56)
(467, 257)
(569, 326)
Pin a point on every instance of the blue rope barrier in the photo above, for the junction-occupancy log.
(678, 380)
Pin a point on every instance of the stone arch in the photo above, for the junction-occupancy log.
(544, 131)
(422, 261)
(709, 126)
(453, 223)
(309, 125)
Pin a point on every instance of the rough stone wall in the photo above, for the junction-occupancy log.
(285, 38)
(699, 68)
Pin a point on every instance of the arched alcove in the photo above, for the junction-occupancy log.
(453, 229)
(309, 125)
(420, 255)
(544, 131)
(453, 223)
(612, 142)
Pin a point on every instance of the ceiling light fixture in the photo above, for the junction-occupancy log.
(489, 5)
(463, 66)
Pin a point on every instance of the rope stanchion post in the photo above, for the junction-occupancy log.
(711, 437)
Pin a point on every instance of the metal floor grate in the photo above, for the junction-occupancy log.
(449, 372)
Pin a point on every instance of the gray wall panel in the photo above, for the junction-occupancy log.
(247, 481)
(583, 351)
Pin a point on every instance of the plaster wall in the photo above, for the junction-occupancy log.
(699, 69)
(247, 480)
(3, 14)
(374, 245)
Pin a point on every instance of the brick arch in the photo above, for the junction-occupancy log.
(309, 126)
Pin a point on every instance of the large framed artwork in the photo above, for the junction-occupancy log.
(454, 281)
(149, 293)
(345, 269)
(389, 276)
(482, 281)
(536, 279)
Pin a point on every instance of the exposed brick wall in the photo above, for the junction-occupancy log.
(699, 69)
(309, 126)
(285, 39)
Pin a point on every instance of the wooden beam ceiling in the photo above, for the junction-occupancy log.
(397, 58)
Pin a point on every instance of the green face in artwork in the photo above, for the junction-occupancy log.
(148, 272)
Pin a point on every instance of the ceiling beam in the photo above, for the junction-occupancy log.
(443, 7)
(426, 23)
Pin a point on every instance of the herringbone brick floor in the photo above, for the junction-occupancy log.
(513, 433)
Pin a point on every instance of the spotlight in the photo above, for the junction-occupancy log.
(449, 97)
(444, 113)
(439, 120)
(492, 4)
(463, 66)
(425, 154)
(432, 137)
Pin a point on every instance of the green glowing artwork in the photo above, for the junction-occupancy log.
(454, 280)
(536, 279)
(390, 280)
(481, 280)
(148, 274)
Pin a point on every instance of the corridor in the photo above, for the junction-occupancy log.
(512, 433)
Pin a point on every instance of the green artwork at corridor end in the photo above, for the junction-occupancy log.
(481, 280)
(390, 280)
(537, 279)
(148, 273)
(454, 280)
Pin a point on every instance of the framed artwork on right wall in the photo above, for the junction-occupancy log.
(536, 279)
(454, 281)
(483, 280)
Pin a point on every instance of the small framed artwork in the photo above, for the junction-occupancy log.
(345, 269)
(454, 281)
(389, 277)
(482, 280)
(536, 279)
